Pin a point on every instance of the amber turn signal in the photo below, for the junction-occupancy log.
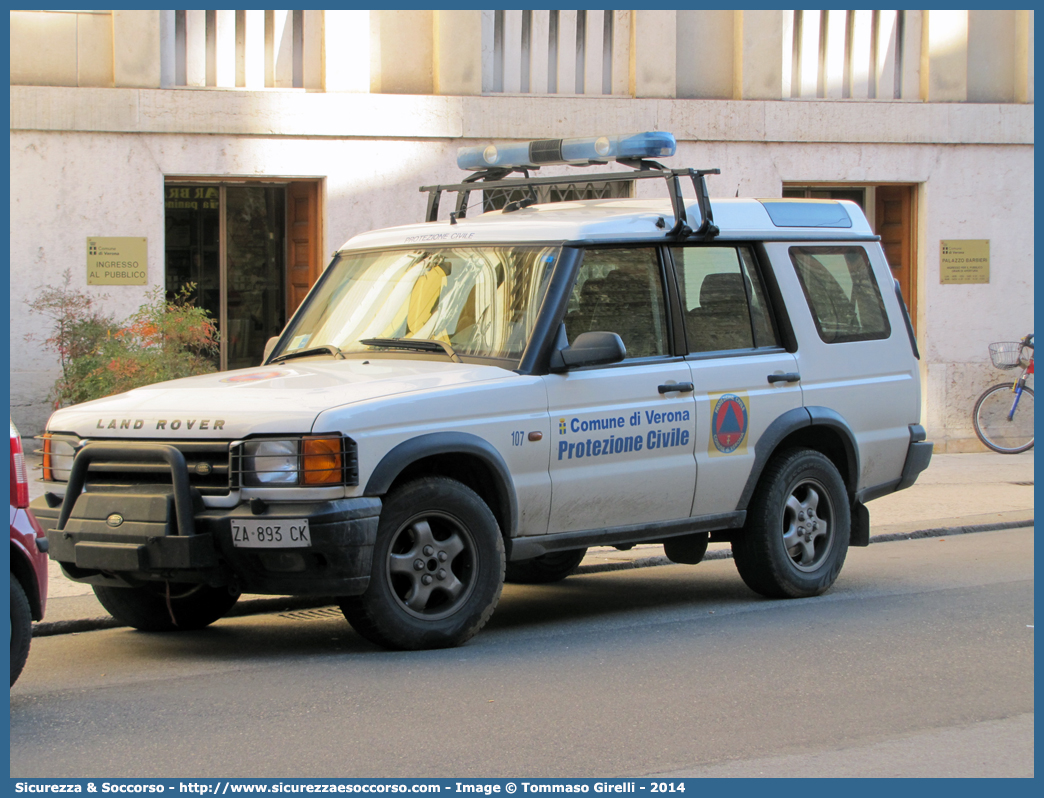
(322, 461)
(47, 473)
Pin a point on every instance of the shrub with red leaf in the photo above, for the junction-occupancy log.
(163, 340)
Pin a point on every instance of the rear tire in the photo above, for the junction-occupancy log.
(145, 608)
(551, 567)
(990, 419)
(21, 628)
(798, 527)
(438, 568)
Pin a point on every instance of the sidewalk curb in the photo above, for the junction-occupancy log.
(259, 606)
(288, 603)
(953, 530)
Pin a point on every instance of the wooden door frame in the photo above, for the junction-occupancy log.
(315, 261)
(870, 208)
(912, 295)
(223, 181)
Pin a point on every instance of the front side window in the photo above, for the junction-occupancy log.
(620, 291)
(723, 299)
(480, 301)
(841, 292)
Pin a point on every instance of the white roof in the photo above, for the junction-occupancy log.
(605, 220)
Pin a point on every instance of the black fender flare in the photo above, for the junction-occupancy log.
(825, 417)
(791, 421)
(434, 443)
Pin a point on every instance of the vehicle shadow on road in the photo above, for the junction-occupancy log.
(564, 607)
(591, 597)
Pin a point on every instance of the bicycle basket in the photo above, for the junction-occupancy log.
(1006, 354)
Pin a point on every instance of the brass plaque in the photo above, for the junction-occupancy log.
(964, 262)
(117, 261)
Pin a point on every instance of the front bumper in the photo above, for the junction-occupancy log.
(121, 536)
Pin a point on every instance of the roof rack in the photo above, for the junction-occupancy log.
(645, 169)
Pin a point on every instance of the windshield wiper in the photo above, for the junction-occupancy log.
(329, 349)
(420, 344)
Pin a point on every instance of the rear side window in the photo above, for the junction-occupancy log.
(842, 293)
(723, 299)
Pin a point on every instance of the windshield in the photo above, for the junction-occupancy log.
(480, 301)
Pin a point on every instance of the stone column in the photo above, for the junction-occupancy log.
(653, 54)
(136, 49)
(944, 56)
(253, 49)
(759, 55)
(457, 52)
(1024, 56)
(346, 48)
(225, 48)
(991, 65)
(406, 57)
(705, 62)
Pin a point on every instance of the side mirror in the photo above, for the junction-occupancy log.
(590, 349)
(269, 346)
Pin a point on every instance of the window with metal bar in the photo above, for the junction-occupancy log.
(550, 52)
(861, 55)
(239, 49)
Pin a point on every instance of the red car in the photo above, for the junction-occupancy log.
(28, 561)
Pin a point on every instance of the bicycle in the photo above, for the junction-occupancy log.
(1003, 416)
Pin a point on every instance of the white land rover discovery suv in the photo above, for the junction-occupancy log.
(476, 399)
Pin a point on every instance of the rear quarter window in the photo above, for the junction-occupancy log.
(842, 293)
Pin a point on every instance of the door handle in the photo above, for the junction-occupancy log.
(789, 377)
(679, 387)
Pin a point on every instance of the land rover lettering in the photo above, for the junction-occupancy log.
(175, 424)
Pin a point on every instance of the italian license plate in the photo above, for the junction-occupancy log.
(267, 534)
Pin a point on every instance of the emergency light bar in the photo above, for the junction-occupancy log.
(575, 152)
(493, 165)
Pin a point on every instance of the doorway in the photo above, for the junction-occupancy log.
(894, 222)
(891, 211)
(250, 252)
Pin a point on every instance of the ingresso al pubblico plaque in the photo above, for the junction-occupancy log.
(117, 261)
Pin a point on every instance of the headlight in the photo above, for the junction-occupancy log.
(57, 456)
(271, 462)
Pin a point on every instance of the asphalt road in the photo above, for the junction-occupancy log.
(919, 663)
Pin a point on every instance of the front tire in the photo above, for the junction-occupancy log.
(991, 422)
(551, 567)
(438, 568)
(145, 608)
(798, 527)
(21, 628)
